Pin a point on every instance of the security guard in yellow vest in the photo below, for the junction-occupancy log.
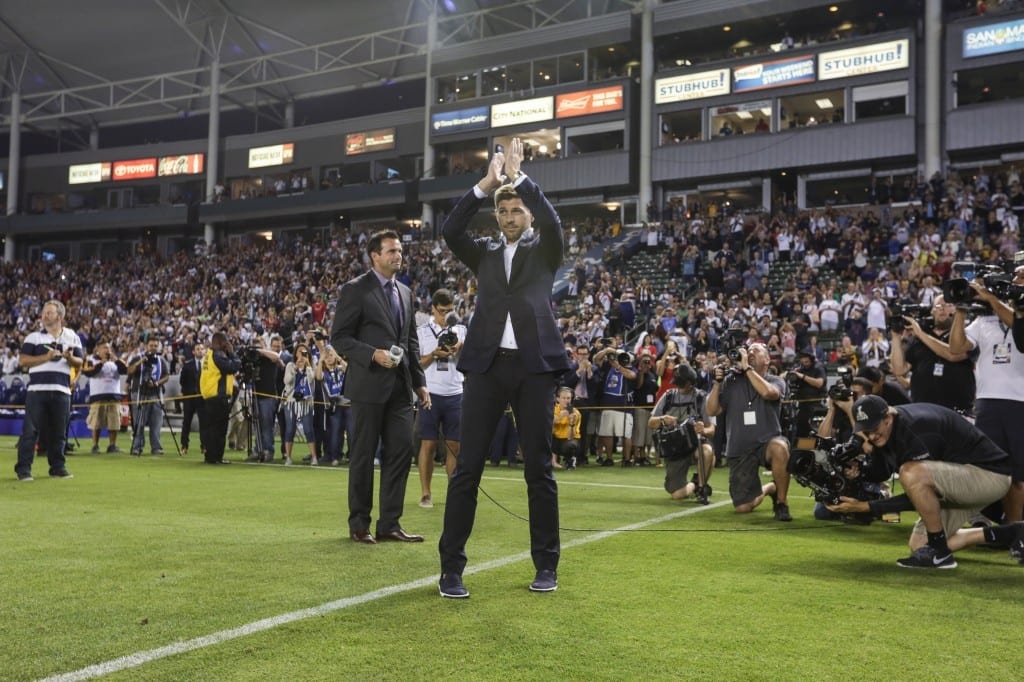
(217, 384)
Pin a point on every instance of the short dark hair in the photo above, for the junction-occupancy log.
(442, 297)
(872, 374)
(373, 245)
(505, 193)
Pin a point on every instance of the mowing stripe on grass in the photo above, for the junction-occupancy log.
(142, 657)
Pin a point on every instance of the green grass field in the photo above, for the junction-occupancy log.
(167, 569)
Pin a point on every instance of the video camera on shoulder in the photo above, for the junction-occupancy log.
(897, 311)
(958, 290)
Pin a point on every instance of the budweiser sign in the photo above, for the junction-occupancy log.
(588, 102)
(133, 170)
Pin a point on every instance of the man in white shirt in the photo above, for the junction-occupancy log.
(999, 370)
(444, 382)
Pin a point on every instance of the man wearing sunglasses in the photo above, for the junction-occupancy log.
(949, 471)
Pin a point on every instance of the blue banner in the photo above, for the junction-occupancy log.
(773, 74)
(1005, 36)
(463, 119)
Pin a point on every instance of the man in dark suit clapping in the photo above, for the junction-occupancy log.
(512, 354)
(373, 315)
(192, 404)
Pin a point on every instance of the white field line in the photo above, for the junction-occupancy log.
(143, 657)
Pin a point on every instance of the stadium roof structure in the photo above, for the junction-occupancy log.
(84, 65)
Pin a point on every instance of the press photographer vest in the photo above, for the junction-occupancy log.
(213, 382)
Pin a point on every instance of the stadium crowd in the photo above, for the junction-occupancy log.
(821, 280)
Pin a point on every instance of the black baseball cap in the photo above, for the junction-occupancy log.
(868, 413)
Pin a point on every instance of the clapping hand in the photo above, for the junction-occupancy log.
(514, 159)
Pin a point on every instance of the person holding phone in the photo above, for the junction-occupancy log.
(373, 320)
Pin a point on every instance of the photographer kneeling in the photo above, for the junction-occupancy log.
(217, 384)
(750, 400)
(682, 420)
(949, 469)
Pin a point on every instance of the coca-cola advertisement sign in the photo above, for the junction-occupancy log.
(183, 164)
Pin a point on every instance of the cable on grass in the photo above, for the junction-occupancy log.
(520, 517)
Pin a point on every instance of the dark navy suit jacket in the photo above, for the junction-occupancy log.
(525, 295)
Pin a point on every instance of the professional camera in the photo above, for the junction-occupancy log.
(958, 290)
(840, 392)
(845, 375)
(730, 342)
(448, 338)
(319, 335)
(250, 357)
(826, 475)
(897, 311)
(625, 358)
(793, 382)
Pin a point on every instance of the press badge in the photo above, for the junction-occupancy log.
(750, 418)
(939, 369)
(1001, 354)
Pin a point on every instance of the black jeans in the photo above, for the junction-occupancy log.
(46, 412)
(216, 434)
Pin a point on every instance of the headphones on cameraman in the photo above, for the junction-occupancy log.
(683, 374)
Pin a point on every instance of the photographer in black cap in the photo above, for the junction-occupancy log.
(949, 471)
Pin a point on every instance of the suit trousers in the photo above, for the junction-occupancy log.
(390, 424)
(484, 399)
(191, 407)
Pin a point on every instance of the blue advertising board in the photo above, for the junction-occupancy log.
(458, 121)
(774, 74)
(1006, 36)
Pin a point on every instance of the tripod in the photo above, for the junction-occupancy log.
(244, 406)
(703, 491)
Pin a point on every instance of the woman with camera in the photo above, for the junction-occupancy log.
(298, 403)
(330, 373)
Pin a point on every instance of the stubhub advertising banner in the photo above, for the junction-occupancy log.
(1005, 36)
(463, 119)
(857, 61)
(773, 74)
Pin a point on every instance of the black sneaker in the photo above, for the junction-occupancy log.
(781, 510)
(450, 586)
(25, 477)
(607, 462)
(546, 581)
(927, 557)
(571, 466)
(63, 473)
(1017, 546)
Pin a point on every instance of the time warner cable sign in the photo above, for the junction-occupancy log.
(857, 61)
(774, 74)
(457, 121)
(1005, 36)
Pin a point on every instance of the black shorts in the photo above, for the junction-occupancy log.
(1003, 422)
(745, 475)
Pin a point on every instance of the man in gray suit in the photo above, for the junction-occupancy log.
(512, 355)
(374, 314)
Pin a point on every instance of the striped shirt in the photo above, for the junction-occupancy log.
(52, 375)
